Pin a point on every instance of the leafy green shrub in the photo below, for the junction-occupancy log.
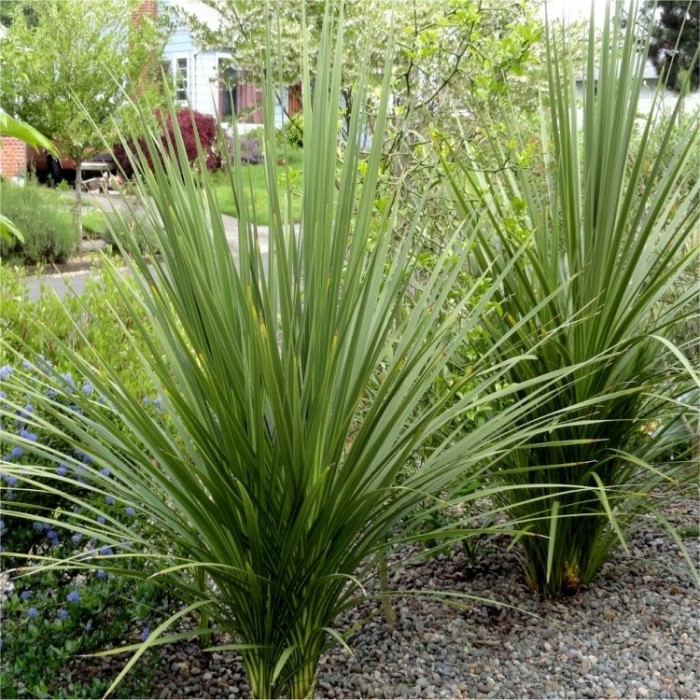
(250, 146)
(686, 333)
(588, 263)
(95, 320)
(49, 235)
(142, 227)
(293, 130)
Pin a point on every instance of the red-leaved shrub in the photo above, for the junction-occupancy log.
(188, 120)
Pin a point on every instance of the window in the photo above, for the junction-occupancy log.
(181, 76)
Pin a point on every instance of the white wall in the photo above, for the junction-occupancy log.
(206, 81)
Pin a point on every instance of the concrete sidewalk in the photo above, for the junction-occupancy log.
(67, 282)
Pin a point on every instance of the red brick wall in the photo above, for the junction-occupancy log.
(13, 157)
(294, 98)
(147, 7)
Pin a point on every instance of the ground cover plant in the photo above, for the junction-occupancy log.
(609, 228)
(293, 382)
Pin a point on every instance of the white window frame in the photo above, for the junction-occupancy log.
(176, 77)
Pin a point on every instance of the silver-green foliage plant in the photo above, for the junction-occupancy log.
(610, 230)
(49, 236)
(292, 380)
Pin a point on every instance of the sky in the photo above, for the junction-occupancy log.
(569, 10)
(572, 10)
(204, 13)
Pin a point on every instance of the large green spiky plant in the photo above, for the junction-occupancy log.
(609, 237)
(293, 381)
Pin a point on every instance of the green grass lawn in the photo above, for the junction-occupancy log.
(94, 222)
(254, 176)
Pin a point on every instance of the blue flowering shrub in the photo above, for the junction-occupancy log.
(62, 611)
(49, 618)
(22, 440)
(52, 614)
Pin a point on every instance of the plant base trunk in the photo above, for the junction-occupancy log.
(387, 608)
(300, 686)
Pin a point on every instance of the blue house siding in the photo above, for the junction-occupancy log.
(200, 89)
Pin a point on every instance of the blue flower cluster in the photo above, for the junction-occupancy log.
(68, 382)
(82, 456)
(48, 532)
(22, 415)
(156, 402)
(35, 609)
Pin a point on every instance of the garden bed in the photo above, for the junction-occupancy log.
(629, 634)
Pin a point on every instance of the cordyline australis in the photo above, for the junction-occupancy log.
(610, 237)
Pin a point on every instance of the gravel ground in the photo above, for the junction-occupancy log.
(632, 634)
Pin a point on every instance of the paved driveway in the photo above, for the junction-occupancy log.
(64, 283)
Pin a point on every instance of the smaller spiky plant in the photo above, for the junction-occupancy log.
(608, 237)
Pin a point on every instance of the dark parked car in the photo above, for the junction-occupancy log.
(48, 167)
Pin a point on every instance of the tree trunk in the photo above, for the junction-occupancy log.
(78, 209)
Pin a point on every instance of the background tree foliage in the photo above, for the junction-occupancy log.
(454, 60)
(9, 9)
(675, 37)
(467, 45)
(66, 66)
